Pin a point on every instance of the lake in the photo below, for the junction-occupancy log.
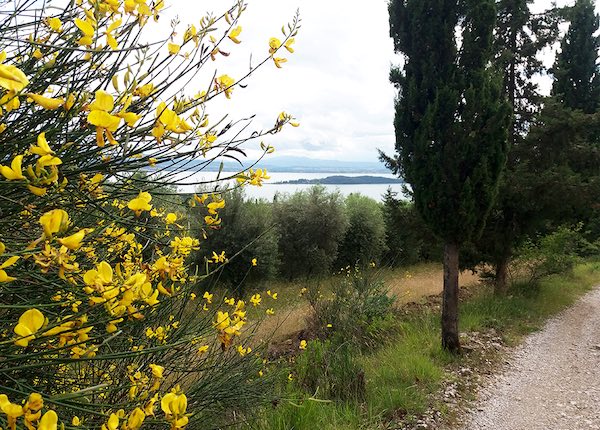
(188, 182)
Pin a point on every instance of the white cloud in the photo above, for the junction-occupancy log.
(336, 83)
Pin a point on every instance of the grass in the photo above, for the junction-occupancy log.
(403, 376)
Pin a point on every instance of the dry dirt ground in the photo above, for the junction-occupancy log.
(551, 381)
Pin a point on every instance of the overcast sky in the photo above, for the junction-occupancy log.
(336, 83)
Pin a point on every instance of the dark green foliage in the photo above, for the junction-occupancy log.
(364, 241)
(247, 232)
(408, 239)
(577, 77)
(451, 125)
(311, 225)
(451, 119)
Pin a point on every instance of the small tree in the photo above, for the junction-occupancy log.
(451, 125)
(408, 239)
(364, 241)
(249, 238)
(311, 225)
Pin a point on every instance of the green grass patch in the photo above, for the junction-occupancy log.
(404, 374)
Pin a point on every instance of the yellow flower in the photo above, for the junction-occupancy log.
(203, 349)
(174, 404)
(243, 351)
(88, 28)
(223, 321)
(279, 61)
(54, 221)
(229, 302)
(76, 421)
(254, 262)
(272, 295)
(174, 48)
(255, 299)
(110, 38)
(73, 242)
(30, 322)
(55, 24)
(270, 311)
(49, 421)
(135, 419)
(15, 171)
(101, 117)
(302, 344)
(11, 78)
(157, 371)
(288, 45)
(208, 297)
(274, 45)
(46, 102)
(140, 203)
(233, 35)
(144, 91)
(42, 147)
(171, 218)
(215, 205)
(225, 83)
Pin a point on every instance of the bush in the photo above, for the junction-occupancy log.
(249, 238)
(357, 311)
(331, 371)
(408, 239)
(311, 225)
(364, 241)
(100, 323)
(554, 253)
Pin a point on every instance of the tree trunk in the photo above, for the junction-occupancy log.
(500, 283)
(450, 340)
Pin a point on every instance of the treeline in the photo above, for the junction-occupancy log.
(313, 233)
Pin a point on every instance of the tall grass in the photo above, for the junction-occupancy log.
(403, 376)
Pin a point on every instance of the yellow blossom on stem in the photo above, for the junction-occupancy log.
(234, 34)
(55, 24)
(49, 421)
(140, 203)
(46, 102)
(54, 221)
(30, 322)
(101, 117)
(302, 344)
(225, 83)
(11, 77)
(15, 171)
(73, 242)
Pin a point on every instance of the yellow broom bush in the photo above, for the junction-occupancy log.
(103, 322)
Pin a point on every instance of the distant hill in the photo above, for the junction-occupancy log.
(308, 165)
(343, 180)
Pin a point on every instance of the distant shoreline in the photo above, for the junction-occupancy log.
(342, 180)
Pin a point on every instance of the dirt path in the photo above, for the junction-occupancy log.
(552, 381)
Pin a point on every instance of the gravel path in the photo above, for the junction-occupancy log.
(552, 381)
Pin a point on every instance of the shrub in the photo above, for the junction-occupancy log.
(364, 241)
(311, 225)
(408, 239)
(331, 371)
(554, 253)
(358, 309)
(100, 323)
(250, 240)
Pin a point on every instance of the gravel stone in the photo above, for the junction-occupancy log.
(552, 381)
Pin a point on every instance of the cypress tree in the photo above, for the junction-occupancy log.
(451, 125)
(519, 36)
(577, 77)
